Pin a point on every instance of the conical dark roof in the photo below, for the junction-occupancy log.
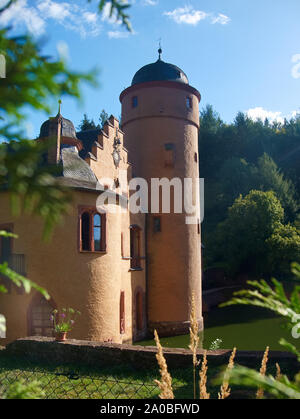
(160, 71)
(67, 127)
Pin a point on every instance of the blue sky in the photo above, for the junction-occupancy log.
(242, 55)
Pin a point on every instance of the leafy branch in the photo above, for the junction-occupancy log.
(274, 299)
(118, 8)
(281, 389)
(18, 280)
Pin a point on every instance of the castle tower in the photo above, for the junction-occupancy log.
(160, 120)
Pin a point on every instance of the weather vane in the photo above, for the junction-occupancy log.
(160, 49)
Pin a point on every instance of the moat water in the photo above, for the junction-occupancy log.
(244, 327)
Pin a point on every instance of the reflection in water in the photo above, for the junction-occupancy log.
(247, 328)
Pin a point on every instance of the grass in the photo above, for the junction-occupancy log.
(111, 382)
(74, 382)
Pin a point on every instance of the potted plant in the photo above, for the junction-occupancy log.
(63, 322)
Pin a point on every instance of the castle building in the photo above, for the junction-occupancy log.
(127, 273)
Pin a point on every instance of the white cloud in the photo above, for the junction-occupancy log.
(54, 10)
(150, 2)
(222, 19)
(20, 13)
(90, 17)
(120, 34)
(67, 14)
(186, 15)
(190, 16)
(272, 116)
(117, 34)
(296, 67)
(106, 17)
(63, 50)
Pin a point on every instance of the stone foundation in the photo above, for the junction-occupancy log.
(167, 329)
(38, 349)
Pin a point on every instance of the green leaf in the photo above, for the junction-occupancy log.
(7, 234)
(289, 347)
(282, 389)
(20, 281)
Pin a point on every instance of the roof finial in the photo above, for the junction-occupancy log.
(159, 50)
(59, 106)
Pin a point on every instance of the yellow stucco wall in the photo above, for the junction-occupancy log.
(88, 282)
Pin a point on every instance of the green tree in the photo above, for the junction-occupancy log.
(271, 178)
(86, 124)
(236, 177)
(242, 156)
(283, 248)
(103, 118)
(35, 81)
(240, 241)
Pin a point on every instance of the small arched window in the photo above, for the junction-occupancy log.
(92, 231)
(135, 102)
(169, 155)
(135, 247)
(122, 313)
(97, 232)
(85, 231)
(40, 317)
(189, 103)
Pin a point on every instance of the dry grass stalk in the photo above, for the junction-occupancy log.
(194, 339)
(203, 379)
(278, 374)
(225, 389)
(165, 385)
(263, 370)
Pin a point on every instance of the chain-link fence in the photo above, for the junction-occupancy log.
(74, 382)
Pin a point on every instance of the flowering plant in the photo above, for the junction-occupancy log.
(64, 321)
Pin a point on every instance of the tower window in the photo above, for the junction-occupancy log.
(196, 157)
(135, 247)
(97, 232)
(189, 103)
(169, 155)
(6, 244)
(85, 232)
(135, 102)
(122, 313)
(156, 224)
(92, 231)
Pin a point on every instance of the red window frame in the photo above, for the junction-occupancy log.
(135, 247)
(169, 154)
(122, 313)
(91, 242)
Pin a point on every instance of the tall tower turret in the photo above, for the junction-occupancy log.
(160, 119)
